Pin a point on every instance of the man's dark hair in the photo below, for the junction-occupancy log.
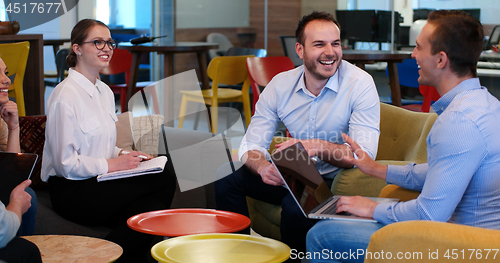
(315, 15)
(460, 36)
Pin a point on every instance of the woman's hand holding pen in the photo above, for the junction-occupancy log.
(126, 161)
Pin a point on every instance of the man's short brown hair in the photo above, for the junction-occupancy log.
(460, 36)
(315, 15)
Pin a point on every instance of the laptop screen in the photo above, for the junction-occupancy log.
(301, 176)
(14, 169)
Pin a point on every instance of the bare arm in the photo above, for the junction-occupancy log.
(8, 112)
(258, 164)
(326, 151)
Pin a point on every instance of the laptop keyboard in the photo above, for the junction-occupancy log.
(332, 207)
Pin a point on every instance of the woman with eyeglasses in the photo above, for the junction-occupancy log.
(80, 144)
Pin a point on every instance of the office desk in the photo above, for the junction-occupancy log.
(489, 56)
(168, 49)
(362, 57)
(33, 86)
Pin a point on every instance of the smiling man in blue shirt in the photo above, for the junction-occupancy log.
(316, 102)
(460, 183)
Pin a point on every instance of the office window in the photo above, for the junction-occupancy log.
(125, 13)
(3, 13)
(102, 11)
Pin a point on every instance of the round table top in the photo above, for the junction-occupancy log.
(220, 248)
(167, 46)
(75, 249)
(180, 222)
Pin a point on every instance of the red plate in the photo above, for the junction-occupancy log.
(181, 222)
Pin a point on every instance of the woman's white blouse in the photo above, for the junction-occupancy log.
(80, 133)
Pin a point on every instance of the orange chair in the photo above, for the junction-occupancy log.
(122, 62)
(430, 94)
(262, 70)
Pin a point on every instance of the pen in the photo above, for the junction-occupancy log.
(140, 156)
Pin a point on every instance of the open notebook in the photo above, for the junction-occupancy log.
(152, 166)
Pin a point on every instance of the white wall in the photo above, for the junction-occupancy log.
(212, 13)
(61, 28)
(490, 9)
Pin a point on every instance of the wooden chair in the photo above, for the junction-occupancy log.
(119, 63)
(226, 70)
(262, 70)
(15, 56)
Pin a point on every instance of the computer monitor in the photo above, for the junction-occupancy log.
(368, 25)
(383, 32)
(494, 38)
(421, 14)
(357, 25)
(475, 12)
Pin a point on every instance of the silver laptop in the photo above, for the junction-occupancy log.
(15, 168)
(307, 186)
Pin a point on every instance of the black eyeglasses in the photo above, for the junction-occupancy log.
(99, 44)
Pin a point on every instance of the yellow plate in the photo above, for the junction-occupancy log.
(220, 248)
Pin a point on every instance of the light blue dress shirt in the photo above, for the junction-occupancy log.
(348, 103)
(9, 224)
(461, 181)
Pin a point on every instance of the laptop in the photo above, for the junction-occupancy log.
(308, 189)
(14, 169)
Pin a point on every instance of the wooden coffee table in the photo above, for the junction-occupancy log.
(75, 249)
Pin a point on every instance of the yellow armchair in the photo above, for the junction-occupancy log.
(394, 191)
(15, 56)
(427, 241)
